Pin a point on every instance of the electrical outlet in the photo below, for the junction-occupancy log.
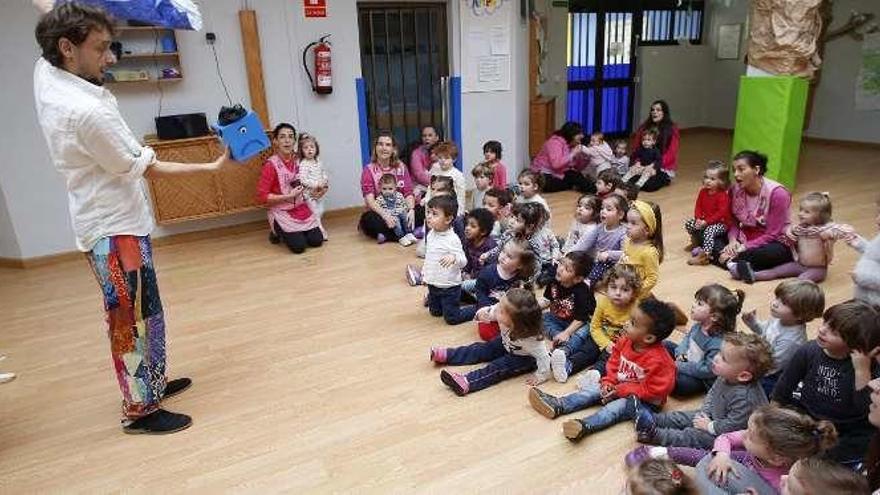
(210, 38)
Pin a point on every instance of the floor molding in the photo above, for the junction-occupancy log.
(169, 240)
(808, 139)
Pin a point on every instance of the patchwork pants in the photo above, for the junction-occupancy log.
(123, 267)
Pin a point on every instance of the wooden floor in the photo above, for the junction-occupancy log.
(311, 372)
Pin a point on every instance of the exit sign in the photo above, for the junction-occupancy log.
(315, 8)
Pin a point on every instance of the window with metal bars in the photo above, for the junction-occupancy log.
(671, 26)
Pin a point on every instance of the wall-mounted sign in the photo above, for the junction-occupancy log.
(315, 8)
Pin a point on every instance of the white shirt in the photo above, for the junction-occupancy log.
(458, 184)
(98, 155)
(438, 245)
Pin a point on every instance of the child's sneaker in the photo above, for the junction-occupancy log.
(589, 380)
(645, 424)
(456, 381)
(643, 453)
(380, 239)
(559, 365)
(575, 430)
(407, 240)
(546, 404)
(438, 354)
(413, 275)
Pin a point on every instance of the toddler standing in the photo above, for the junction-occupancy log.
(444, 259)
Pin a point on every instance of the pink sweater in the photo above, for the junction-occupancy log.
(734, 441)
(499, 175)
(766, 222)
(554, 158)
(420, 166)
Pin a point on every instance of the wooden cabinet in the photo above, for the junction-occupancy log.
(196, 196)
(542, 122)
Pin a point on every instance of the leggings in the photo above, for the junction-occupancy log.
(572, 180)
(764, 257)
(793, 269)
(706, 236)
(297, 241)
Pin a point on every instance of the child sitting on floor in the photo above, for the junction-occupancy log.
(658, 477)
(515, 266)
(392, 202)
(446, 153)
(640, 374)
(712, 215)
(646, 160)
(613, 308)
(519, 349)
(796, 303)
(584, 225)
(607, 182)
(812, 241)
(714, 314)
(736, 393)
(599, 155)
(492, 159)
(529, 222)
(530, 185)
(609, 240)
(482, 182)
(570, 305)
(643, 244)
(620, 161)
(830, 382)
(499, 201)
(817, 476)
(478, 225)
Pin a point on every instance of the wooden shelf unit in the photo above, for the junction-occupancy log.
(145, 45)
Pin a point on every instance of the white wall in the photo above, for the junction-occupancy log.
(36, 199)
(8, 240)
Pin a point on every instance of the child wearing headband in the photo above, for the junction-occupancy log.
(643, 244)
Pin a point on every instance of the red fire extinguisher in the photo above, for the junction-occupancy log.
(322, 82)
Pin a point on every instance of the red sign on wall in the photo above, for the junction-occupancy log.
(315, 8)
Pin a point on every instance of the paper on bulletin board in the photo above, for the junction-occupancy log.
(486, 45)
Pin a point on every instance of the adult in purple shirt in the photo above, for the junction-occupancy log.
(562, 159)
(760, 216)
(375, 220)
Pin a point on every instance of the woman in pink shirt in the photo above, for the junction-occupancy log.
(561, 160)
(667, 142)
(760, 216)
(420, 161)
(291, 219)
(375, 220)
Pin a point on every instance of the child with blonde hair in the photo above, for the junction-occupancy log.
(313, 176)
(712, 215)
(658, 477)
(519, 349)
(613, 307)
(796, 303)
(735, 394)
(643, 244)
(812, 241)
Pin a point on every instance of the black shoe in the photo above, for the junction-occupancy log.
(546, 404)
(575, 430)
(273, 238)
(177, 386)
(160, 422)
(745, 272)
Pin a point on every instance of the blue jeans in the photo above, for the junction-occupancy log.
(445, 302)
(400, 229)
(579, 348)
(768, 383)
(502, 365)
(686, 385)
(611, 413)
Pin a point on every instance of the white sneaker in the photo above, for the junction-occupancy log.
(589, 380)
(7, 377)
(407, 240)
(559, 365)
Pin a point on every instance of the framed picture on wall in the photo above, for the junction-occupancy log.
(729, 36)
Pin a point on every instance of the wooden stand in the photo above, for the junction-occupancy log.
(197, 196)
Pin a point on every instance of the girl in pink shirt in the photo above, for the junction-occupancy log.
(492, 159)
(420, 160)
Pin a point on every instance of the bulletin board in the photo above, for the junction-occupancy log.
(486, 45)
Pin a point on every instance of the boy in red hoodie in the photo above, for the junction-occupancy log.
(639, 373)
